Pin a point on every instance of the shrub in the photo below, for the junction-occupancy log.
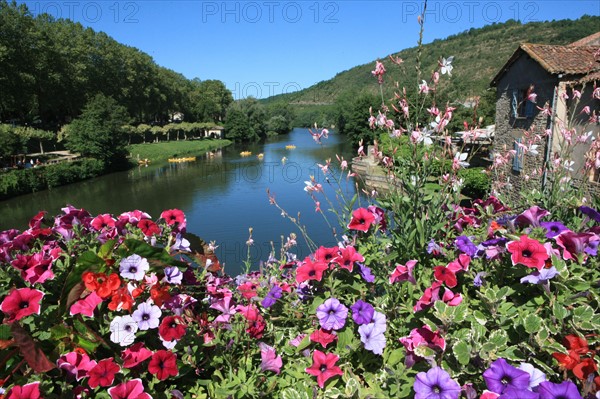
(476, 183)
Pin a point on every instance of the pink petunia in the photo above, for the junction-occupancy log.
(87, 305)
(21, 302)
(132, 389)
(404, 273)
(361, 220)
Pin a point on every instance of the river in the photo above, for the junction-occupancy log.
(222, 195)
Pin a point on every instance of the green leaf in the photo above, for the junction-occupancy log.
(303, 344)
(424, 351)
(460, 313)
(333, 393)
(498, 338)
(532, 323)
(462, 351)
(394, 357)
(346, 339)
(559, 311)
(106, 249)
(292, 393)
(149, 252)
(352, 387)
(480, 317)
(582, 314)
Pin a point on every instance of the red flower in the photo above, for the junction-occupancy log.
(102, 221)
(163, 364)
(107, 286)
(148, 227)
(248, 289)
(347, 258)
(21, 302)
(310, 270)
(528, 252)
(567, 361)
(159, 294)
(171, 328)
(28, 391)
(445, 275)
(361, 220)
(103, 374)
(132, 389)
(326, 254)
(172, 216)
(121, 300)
(324, 367)
(324, 337)
(586, 367)
(256, 323)
(575, 343)
(134, 355)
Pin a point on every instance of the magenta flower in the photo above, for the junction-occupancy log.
(436, 384)
(132, 389)
(531, 217)
(22, 302)
(404, 273)
(77, 365)
(87, 305)
(269, 361)
(502, 375)
(324, 367)
(332, 314)
(361, 220)
(574, 244)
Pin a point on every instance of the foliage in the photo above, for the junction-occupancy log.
(476, 182)
(99, 132)
(351, 119)
(25, 181)
(78, 64)
(246, 121)
(10, 143)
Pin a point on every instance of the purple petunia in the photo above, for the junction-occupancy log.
(362, 312)
(332, 314)
(564, 390)
(478, 280)
(512, 393)
(590, 212)
(272, 296)
(502, 375)
(365, 273)
(541, 276)
(531, 217)
(553, 228)
(466, 246)
(436, 384)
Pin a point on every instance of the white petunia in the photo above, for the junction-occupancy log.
(134, 267)
(122, 330)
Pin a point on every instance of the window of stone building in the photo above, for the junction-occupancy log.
(522, 107)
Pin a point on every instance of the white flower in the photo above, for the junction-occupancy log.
(123, 329)
(446, 65)
(460, 159)
(173, 275)
(134, 267)
(147, 316)
(168, 344)
(535, 376)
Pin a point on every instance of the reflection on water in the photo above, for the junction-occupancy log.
(222, 195)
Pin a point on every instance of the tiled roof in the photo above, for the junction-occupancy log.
(592, 77)
(572, 60)
(591, 40)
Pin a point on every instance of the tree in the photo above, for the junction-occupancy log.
(10, 142)
(246, 120)
(98, 132)
(353, 117)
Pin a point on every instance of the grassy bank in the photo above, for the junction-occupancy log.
(172, 149)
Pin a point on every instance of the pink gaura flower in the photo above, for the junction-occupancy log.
(404, 273)
(379, 71)
(528, 252)
(324, 367)
(21, 302)
(132, 389)
(361, 220)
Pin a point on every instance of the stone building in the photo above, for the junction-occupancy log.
(535, 105)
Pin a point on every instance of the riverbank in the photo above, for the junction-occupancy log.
(26, 181)
(157, 152)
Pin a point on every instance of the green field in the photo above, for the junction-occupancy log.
(173, 149)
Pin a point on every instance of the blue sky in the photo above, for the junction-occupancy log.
(261, 48)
